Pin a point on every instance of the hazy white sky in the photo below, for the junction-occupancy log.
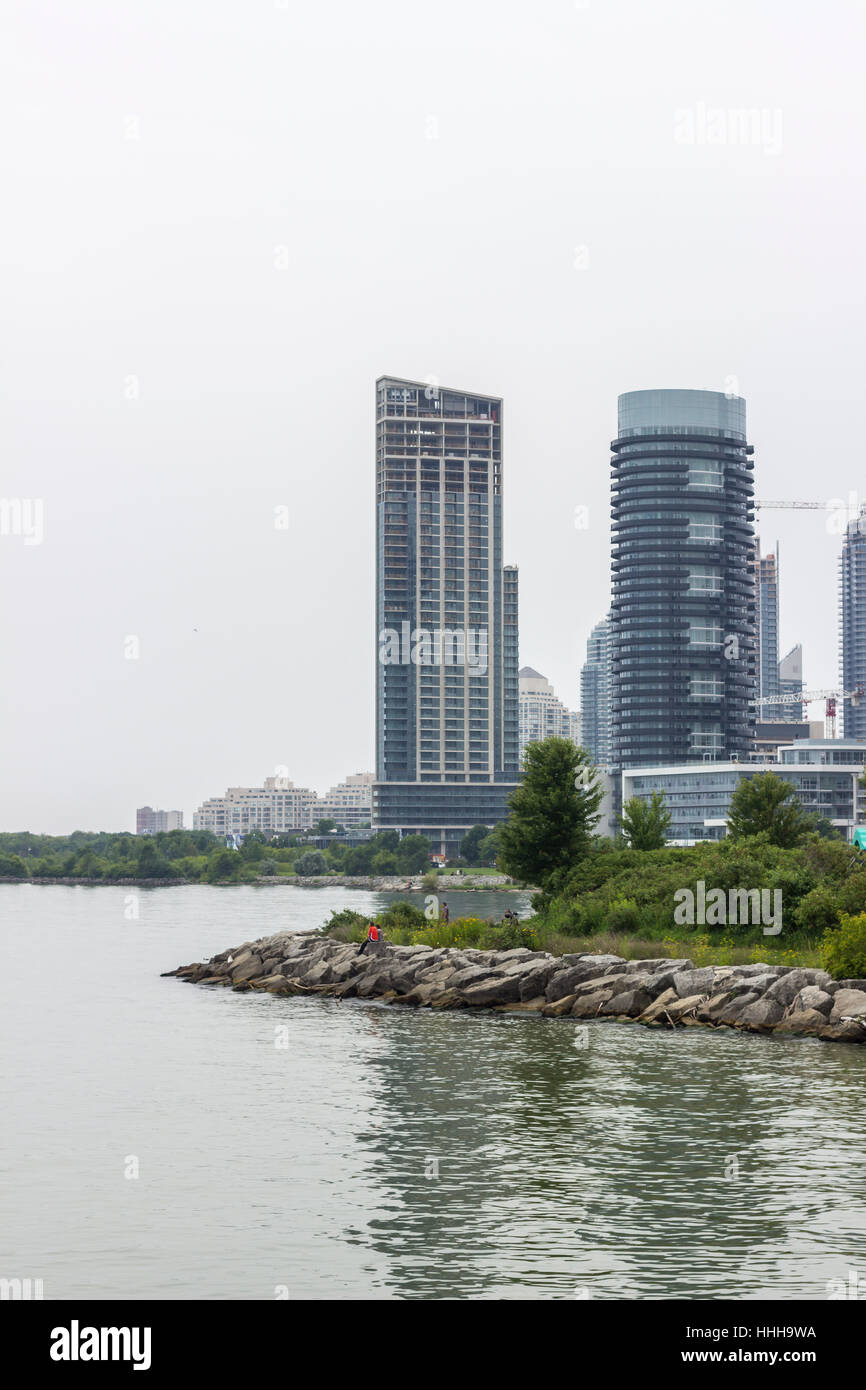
(223, 220)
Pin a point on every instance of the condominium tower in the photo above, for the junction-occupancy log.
(683, 622)
(852, 623)
(595, 695)
(542, 713)
(446, 615)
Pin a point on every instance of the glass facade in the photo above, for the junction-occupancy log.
(683, 648)
(595, 695)
(852, 624)
(825, 775)
(446, 615)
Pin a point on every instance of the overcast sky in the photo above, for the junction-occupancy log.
(223, 220)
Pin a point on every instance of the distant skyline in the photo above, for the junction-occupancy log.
(223, 225)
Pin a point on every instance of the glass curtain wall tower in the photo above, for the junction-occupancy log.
(595, 694)
(852, 623)
(446, 616)
(683, 621)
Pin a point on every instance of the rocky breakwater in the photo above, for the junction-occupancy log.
(661, 993)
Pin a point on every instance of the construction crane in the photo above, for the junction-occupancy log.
(806, 696)
(798, 506)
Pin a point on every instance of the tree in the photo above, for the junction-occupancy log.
(311, 863)
(766, 803)
(470, 845)
(553, 812)
(645, 823)
(151, 864)
(12, 866)
(489, 849)
(325, 826)
(222, 865)
(413, 854)
(385, 862)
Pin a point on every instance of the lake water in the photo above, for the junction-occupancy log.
(387, 1152)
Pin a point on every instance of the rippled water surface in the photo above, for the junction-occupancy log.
(386, 1152)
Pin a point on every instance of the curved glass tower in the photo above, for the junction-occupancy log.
(683, 648)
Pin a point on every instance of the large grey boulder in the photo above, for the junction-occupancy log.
(630, 1002)
(656, 1011)
(763, 1013)
(848, 1003)
(811, 999)
(751, 984)
(247, 968)
(535, 980)
(788, 986)
(565, 981)
(679, 1009)
(844, 1030)
(498, 989)
(725, 1009)
(688, 982)
(807, 1021)
(589, 1005)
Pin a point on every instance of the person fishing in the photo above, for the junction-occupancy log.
(373, 934)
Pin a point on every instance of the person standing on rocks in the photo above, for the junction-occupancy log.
(373, 934)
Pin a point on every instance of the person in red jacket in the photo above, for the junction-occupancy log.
(373, 934)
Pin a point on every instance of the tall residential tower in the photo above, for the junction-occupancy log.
(852, 623)
(683, 622)
(446, 615)
(595, 694)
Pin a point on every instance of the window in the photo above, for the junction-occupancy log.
(704, 526)
(704, 579)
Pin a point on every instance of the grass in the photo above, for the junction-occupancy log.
(749, 947)
(700, 948)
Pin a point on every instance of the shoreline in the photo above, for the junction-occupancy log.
(662, 993)
(368, 882)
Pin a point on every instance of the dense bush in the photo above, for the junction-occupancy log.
(818, 910)
(843, 950)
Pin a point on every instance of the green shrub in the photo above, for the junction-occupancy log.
(346, 925)
(851, 895)
(843, 950)
(623, 915)
(401, 914)
(818, 911)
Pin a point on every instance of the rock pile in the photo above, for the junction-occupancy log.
(664, 993)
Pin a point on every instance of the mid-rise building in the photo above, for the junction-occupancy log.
(446, 615)
(826, 774)
(770, 734)
(350, 803)
(542, 713)
(683, 623)
(852, 624)
(150, 822)
(276, 807)
(595, 695)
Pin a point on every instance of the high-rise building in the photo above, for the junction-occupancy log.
(595, 695)
(767, 597)
(852, 623)
(542, 713)
(683, 641)
(446, 615)
(791, 684)
(150, 822)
